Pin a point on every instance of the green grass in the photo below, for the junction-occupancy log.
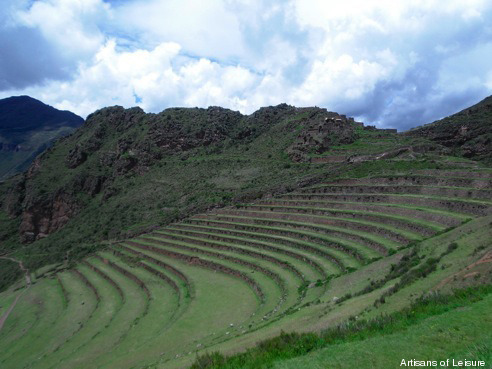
(423, 209)
(365, 252)
(46, 297)
(290, 273)
(298, 228)
(433, 332)
(78, 309)
(281, 280)
(408, 234)
(10, 273)
(162, 308)
(417, 222)
(6, 299)
(109, 323)
(286, 244)
(241, 248)
(380, 342)
(259, 244)
(205, 321)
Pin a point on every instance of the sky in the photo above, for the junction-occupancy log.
(395, 64)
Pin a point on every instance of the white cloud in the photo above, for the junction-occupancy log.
(205, 28)
(339, 78)
(122, 77)
(71, 25)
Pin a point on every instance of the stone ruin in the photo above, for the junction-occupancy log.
(323, 130)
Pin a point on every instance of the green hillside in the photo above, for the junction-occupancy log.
(203, 238)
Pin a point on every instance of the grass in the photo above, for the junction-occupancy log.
(436, 331)
(162, 309)
(242, 246)
(77, 311)
(283, 244)
(359, 251)
(205, 321)
(107, 328)
(339, 247)
(353, 334)
(156, 327)
(381, 205)
(349, 221)
(464, 208)
(361, 213)
(279, 278)
(45, 295)
(270, 248)
(10, 273)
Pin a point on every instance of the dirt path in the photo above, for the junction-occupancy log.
(5, 315)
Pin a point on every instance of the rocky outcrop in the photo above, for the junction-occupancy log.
(41, 217)
(75, 157)
(44, 213)
(88, 184)
(34, 168)
(321, 130)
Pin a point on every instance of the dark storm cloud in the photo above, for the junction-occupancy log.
(416, 99)
(27, 58)
(411, 102)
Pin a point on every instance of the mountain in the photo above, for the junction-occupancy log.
(125, 171)
(27, 128)
(467, 133)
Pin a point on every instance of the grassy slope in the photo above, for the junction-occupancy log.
(461, 333)
(473, 239)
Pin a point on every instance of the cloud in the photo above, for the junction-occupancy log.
(388, 63)
(411, 55)
(153, 79)
(203, 28)
(71, 26)
(45, 40)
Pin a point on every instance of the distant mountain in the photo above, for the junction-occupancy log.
(468, 133)
(28, 127)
